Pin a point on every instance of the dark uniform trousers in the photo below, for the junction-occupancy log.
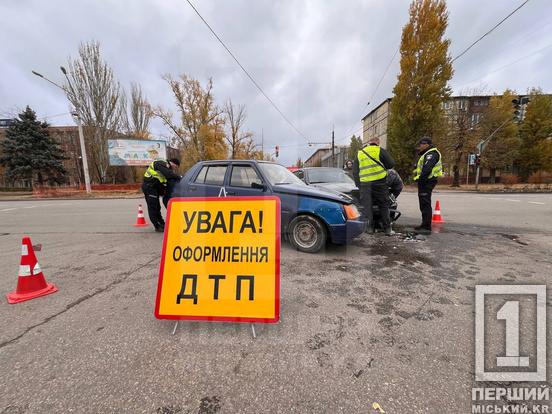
(425, 189)
(375, 192)
(151, 194)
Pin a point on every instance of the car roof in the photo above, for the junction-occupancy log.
(321, 168)
(236, 162)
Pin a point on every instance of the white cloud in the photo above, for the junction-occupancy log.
(318, 60)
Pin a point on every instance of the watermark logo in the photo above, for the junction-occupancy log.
(510, 333)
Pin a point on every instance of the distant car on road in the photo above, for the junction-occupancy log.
(333, 179)
(309, 216)
(337, 180)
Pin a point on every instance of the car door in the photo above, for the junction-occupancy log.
(208, 181)
(242, 178)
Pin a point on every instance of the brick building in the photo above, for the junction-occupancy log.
(375, 122)
(315, 160)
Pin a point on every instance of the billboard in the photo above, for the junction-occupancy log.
(132, 152)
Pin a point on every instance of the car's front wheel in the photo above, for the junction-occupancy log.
(307, 234)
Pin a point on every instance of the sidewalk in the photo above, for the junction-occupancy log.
(22, 196)
(490, 188)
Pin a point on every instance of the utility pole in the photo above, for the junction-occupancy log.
(333, 147)
(481, 147)
(83, 152)
(468, 170)
(76, 116)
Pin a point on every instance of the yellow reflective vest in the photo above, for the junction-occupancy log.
(151, 172)
(437, 170)
(369, 169)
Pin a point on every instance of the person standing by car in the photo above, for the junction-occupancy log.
(348, 168)
(428, 169)
(155, 185)
(370, 175)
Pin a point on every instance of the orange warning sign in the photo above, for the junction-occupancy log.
(221, 260)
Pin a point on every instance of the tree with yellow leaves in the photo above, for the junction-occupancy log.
(199, 130)
(416, 107)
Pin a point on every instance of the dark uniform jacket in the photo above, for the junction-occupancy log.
(386, 159)
(153, 184)
(394, 182)
(430, 159)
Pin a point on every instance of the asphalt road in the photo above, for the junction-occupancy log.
(383, 320)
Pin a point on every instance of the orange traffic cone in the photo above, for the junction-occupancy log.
(31, 282)
(140, 220)
(437, 218)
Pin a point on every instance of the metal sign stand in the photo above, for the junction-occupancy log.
(222, 193)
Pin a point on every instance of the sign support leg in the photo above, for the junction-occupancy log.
(253, 331)
(175, 327)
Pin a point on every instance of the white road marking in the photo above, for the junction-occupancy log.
(536, 202)
(30, 207)
(8, 209)
(515, 201)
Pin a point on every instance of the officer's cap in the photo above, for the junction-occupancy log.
(425, 140)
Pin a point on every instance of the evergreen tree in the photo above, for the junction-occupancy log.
(535, 132)
(354, 147)
(29, 153)
(416, 108)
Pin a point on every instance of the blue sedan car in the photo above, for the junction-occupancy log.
(310, 216)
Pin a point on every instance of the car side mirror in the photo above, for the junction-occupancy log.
(258, 186)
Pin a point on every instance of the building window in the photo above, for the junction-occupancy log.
(447, 105)
(461, 104)
(475, 118)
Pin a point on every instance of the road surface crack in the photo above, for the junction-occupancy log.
(78, 301)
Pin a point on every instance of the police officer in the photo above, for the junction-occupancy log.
(428, 169)
(370, 174)
(155, 185)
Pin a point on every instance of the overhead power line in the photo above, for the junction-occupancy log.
(384, 73)
(490, 31)
(55, 115)
(483, 76)
(373, 95)
(247, 73)
(455, 58)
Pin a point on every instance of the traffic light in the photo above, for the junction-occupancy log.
(519, 108)
(277, 151)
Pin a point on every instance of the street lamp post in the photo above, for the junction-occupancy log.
(77, 119)
(481, 147)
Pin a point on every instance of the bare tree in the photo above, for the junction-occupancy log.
(240, 143)
(91, 87)
(140, 112)
(199, 130)
(459, 139)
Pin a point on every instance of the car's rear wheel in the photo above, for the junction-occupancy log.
(307, 234)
